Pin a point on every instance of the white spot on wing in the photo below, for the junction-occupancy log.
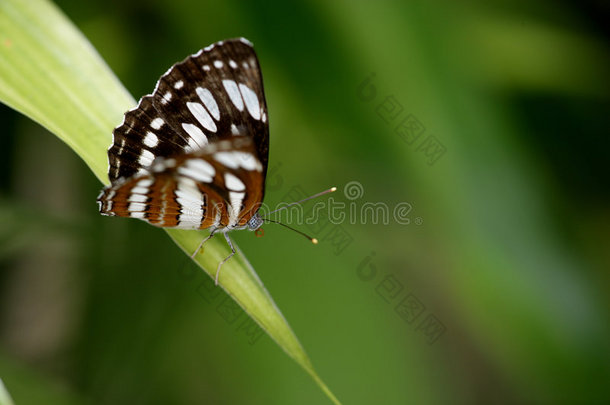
(227, 159)
(233, 64)
(192, 146)
(247, 161)
(236, 159)
(144, 183)
(208, 100)
(251, 101)
(137, 198)
(191, 204)
(142, 187)
(236, 199)
(178, 85)
(151, 140)
(233, 92)
(234, 183)
(206, 68)
(136, 207)
(202, 116)
(218, 64)
(166, 98)
(234, 130)
(197, 138)
(198, 169)
(139, 190)
(157, 123)
(146, 158)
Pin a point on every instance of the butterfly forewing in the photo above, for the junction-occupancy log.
(214, 94)
(217, 186)
(140, 139)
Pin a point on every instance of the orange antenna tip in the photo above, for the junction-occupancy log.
(314, 241)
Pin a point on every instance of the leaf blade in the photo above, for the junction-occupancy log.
(5, 398)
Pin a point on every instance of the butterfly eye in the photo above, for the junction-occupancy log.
(259, 233)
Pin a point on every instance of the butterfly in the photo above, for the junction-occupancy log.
(194, 153)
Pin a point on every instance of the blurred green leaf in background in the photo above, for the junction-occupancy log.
(482, 126)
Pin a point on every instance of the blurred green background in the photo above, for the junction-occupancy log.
(489, 118)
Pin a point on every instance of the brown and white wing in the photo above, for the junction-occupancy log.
(218, 186)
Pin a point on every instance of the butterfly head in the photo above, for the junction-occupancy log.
(255, 222)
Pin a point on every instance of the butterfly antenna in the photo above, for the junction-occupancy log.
(312, 240)
(330, 190)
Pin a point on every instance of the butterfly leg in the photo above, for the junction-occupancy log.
(226, 258)
(202, 242)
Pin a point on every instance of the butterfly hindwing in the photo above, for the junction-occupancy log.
(217, 186)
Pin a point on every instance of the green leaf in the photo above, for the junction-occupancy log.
(5, 398)
(52, 74)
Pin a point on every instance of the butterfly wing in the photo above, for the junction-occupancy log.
(214, 94)
(218, 186)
